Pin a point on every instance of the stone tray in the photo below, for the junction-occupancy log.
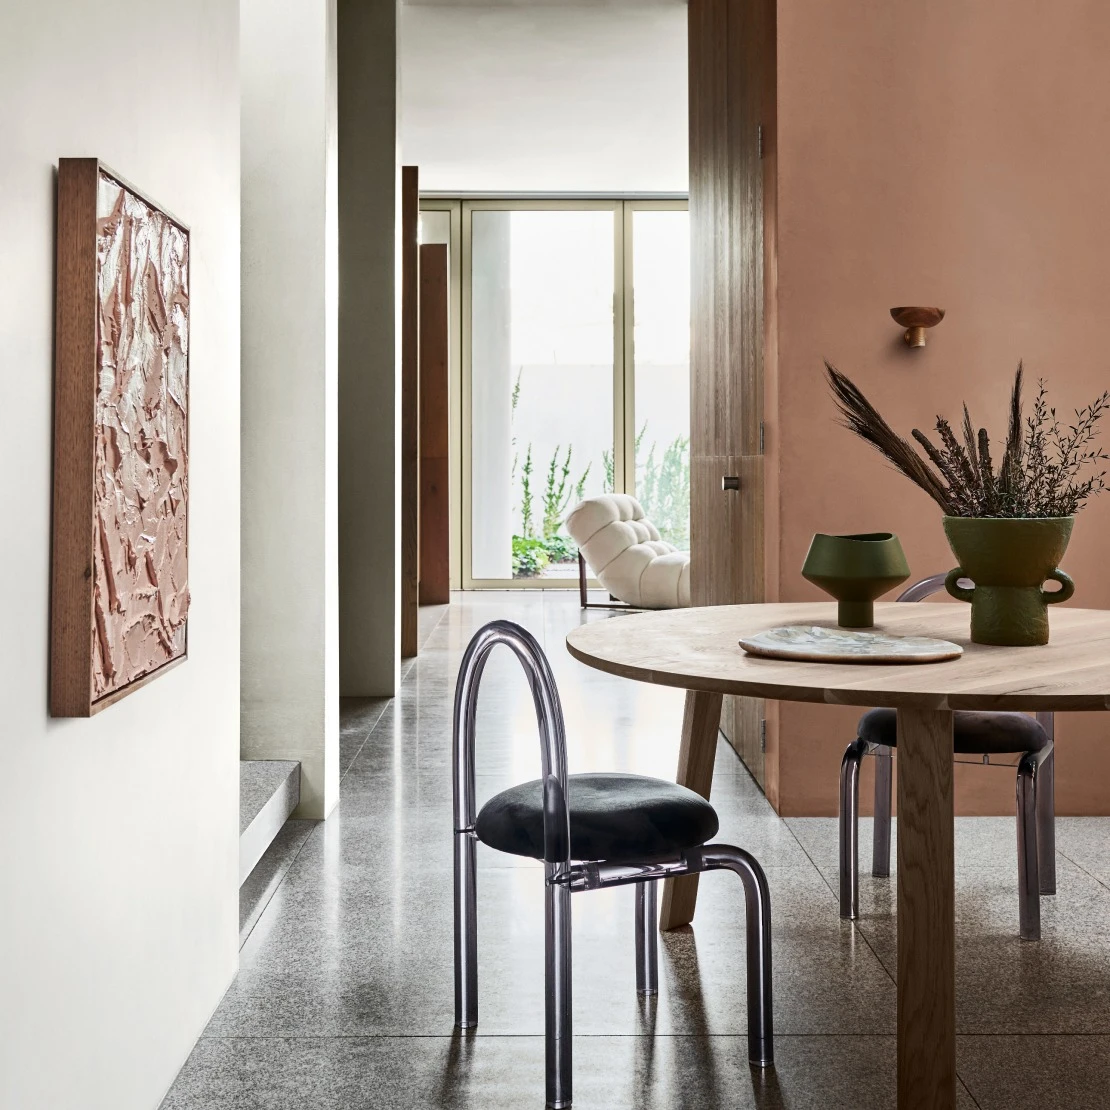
(819, 644)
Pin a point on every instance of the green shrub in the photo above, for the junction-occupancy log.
(561, 549)
(530, 557)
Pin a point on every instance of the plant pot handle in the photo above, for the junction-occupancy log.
(1067, 588)
(951, 584)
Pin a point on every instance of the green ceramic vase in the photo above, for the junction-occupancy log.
(856, 570)
(1009, 560)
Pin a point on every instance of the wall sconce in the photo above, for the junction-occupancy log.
(915, 321)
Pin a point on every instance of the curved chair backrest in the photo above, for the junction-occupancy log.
(923, 589)
(549, 717)
(933, 585)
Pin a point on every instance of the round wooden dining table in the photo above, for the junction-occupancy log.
(697, 650)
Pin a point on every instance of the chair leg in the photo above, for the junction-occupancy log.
(1029, 898)
(466, 931)
(1046, 824)
(757, 904)
(647, 938)
(849, 829)
(557, 973)
(880, 844)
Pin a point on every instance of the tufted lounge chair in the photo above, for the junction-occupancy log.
(627, 554)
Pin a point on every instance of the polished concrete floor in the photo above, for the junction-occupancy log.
(344, 999)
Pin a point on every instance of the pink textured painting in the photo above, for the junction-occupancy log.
(132, 548)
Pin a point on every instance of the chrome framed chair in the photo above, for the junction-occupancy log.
(981, 735)
(592, 832)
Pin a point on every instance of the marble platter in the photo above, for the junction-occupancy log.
(818, 644)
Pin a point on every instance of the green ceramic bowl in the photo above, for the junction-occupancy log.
(856, 570)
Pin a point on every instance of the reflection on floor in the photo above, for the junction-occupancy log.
(344, 998)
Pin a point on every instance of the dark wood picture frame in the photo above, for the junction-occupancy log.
(76, 383)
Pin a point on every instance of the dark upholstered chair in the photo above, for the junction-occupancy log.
(982, 737)
(591, 831)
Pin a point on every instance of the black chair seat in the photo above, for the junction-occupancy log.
(620, 818)
(973, 733)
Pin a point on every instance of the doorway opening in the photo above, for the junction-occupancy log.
(570, 375)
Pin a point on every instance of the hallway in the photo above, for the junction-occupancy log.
(344, 995)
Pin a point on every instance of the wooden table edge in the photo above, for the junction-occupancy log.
(866, 698)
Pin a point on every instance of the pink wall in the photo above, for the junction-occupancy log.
(952, 154)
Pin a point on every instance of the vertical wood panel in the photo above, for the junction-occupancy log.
(435, 509)
(728, 49)
(729, 570)
(410, 408)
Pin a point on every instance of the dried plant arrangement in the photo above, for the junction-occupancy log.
(1047, 469)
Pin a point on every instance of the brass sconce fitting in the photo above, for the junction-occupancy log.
(915, 321)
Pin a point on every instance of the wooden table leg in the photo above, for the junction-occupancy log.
(700, 722)
(926, 912)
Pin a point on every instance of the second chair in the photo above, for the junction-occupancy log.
(983, 735)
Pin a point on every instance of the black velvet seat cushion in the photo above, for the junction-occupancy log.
(621, 818)
(973, 733)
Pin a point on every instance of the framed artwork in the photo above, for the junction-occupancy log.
(120, 564)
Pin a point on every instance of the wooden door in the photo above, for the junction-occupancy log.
(410, 408)
(435, 509)
(730, 42)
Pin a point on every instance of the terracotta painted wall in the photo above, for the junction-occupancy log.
(951, 154)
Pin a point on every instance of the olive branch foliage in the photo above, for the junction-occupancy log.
(1046, 468)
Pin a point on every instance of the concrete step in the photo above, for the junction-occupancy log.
(269, 790)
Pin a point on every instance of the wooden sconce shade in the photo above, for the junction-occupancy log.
(915, 321)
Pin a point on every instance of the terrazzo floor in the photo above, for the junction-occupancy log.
(344, 997)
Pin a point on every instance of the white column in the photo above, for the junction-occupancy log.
(369, 356)
(290, 627)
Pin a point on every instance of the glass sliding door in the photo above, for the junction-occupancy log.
(541, 373)
(658, 289)
(575, 377)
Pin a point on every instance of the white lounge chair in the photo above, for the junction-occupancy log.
(627, 554)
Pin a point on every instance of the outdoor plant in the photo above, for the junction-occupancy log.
(556, 495)
(608, 484)
(580, 486)
(526, 495)
(530, 557)
(535, 548)
(1046, 469)
(663, 488)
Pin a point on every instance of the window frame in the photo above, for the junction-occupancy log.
(461, 210)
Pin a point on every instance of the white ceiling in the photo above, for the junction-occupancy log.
(545, 97)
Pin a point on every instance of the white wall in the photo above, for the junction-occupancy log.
(290, 626)
(118, 922)
(545, 99)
